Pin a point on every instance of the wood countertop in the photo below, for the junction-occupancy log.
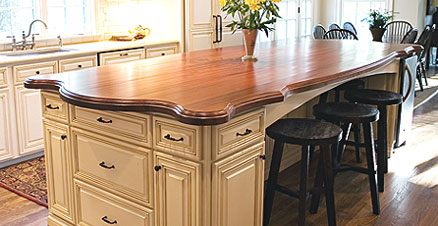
(209, 87)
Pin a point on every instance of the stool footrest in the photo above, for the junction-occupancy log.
(287, 191)
(345, 167)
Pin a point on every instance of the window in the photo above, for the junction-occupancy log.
(61, 16)
(355, 10)
(295, 21)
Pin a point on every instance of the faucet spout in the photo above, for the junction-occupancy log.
(31, 24)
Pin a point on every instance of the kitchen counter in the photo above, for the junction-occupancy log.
(180, 140)
(82, 49)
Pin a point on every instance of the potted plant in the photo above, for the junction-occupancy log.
(377, 21)
(252, 15)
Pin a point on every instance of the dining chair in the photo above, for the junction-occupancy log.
(318, 32)
(349, 26)
(333, 26)
(395, 31)
(425, 41)
(410, 37)
(340, 34)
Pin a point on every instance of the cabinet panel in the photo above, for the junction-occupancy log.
(21, 72)
(238, 188)
(59, 172)
(99, 208)
(178, 191)
(30, 126)
(200, 40)
(161, 51)
(118, 57)
(78, 63)
(3, 77)
(53, 107)
(199, 13)
(5, 126)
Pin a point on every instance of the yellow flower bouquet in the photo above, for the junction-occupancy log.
(251, 14)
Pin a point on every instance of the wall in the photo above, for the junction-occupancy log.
(163, 17)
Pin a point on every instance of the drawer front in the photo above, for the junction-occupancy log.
(53, 107)
(77, 63)
(238, 133)
(121, 56)
(3, 76)
(132, 126)
(23, 71)
(177, 138)
(120, 167)
(99, 208)
(160, 51)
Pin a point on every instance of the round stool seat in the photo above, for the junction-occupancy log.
(304, 131)
(352, 85)
(346, 112)
(374, 97)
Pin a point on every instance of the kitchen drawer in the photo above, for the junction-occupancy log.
(239, 133)
(99, 208)
(177, 138)
(133, 127)
(161, 51)
(120, 167)
(3, 76)
(77, 63)
(21, 72)
(121, 56)
(53, 107)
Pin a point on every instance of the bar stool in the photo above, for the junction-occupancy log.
(382, 99)
(356, 84)
(348, 114)
(304, 132)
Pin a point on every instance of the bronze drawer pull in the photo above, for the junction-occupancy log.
(124, 54)
(247, 132)
(173, 139)
(100, 119)
(157, 168)
(163, 54)
(63, 137)
(102, 164)
(37, 72)
(51, 107)
(105, 219)
(79, 66)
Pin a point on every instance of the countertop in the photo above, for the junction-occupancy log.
(209, 87)
(82, 49)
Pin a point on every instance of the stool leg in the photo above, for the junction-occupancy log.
(328, 181)
(346, 133)
(420, 82)
(356, 132)
(317, 188)
(382, 154)
(337, 95)
(323, 98)
(303, 185)
(272, 181)
(369, 147)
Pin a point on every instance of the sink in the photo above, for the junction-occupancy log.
(45, 50)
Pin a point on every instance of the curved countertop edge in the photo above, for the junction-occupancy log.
(215, 117)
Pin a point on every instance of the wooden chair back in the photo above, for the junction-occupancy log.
(425, 40)
(349, 26)
(333, 26)
(340, 34)
(395, 31)
(318, 32)
(410, 37)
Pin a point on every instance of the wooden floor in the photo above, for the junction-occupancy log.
(410, 197)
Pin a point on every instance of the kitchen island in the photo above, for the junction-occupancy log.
(180, 140)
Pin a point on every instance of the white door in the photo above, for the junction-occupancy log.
(5, 135)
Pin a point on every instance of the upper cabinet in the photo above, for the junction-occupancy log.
(206, 26)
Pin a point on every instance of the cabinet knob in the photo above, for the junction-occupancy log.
(163, 54)
(157, 168)
(105, 219)
(79, 66)
(63, 137)
(37, 72)
(263, 157)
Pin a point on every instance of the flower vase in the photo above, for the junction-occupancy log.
(250, 38)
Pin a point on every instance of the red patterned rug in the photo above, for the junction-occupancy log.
(27, 179)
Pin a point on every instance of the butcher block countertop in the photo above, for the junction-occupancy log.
(209, 87)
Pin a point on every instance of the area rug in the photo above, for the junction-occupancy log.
(27, 179)
(429, 91)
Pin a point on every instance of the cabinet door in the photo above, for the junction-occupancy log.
(30, 126)
(78, 63)
(226, 37)
(199, 25)
(237, 189)
(5, 127)
(59, 173)
(121, 56)
(178, 191)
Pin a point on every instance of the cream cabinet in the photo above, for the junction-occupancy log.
(77, 63)
(5, 125)
(122, 56)
(164, 50)
(178, 191)
(206, 26)
(231, 204)
(59, 170)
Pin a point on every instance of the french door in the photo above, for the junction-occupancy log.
(295, 22)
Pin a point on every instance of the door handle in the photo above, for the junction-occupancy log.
(216, 29)
(220, 28)
(410, 83)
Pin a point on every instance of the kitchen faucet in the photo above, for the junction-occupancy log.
(22, 45)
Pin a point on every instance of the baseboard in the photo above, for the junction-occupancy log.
(11, 162)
